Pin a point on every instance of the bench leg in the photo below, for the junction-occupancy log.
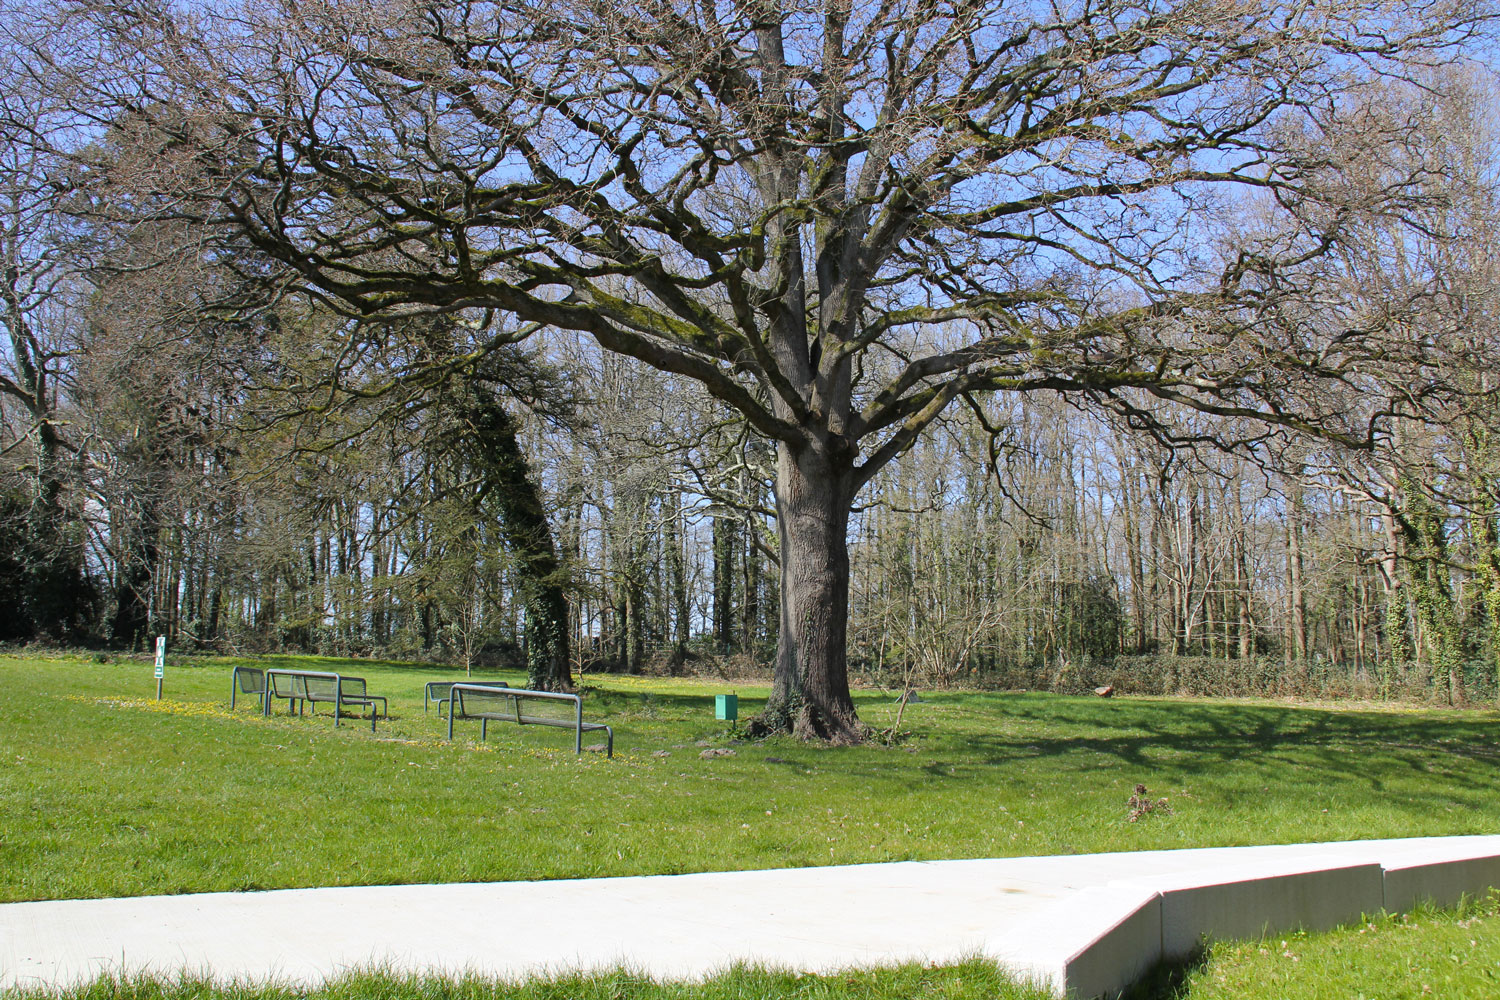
(484, 725)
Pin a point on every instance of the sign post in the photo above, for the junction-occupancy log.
(161, 662)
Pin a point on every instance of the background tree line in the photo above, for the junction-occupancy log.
(1031, 547)
(1173, 440)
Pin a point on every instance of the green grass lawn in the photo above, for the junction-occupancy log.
(105, 792)
(971, 981)
(1454, 955)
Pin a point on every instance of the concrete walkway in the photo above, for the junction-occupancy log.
(1085, 923)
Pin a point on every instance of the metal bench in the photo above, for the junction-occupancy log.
(487, 703)
(247, 680)
(299, 687)
(436, 692)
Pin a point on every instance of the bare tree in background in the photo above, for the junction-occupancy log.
(41, 315)
(770, 196)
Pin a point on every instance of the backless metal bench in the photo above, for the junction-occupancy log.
(314, 686)
(247, 680)
(526, 708)
(436, 692)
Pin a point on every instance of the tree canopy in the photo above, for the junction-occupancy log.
(838, 217)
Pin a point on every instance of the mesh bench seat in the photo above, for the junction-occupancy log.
(339, 691)
(526, 708)
(247, 680)
(310, 687)
(436, 692)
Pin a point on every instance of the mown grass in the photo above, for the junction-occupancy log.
(105, 792)
(1453, 954)
(975, 980)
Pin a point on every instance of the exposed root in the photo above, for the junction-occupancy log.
(837, 730)
(810, 724)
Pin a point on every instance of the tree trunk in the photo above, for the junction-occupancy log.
(810, 693)
(1398, 642)
(750, 596)
(1243, 596)
(635, 623)
(1487, 549)
(523, 522)
(1134, 560)
(215, 605)
(139, 529)
(132, 617)
(678, 574)
(1297, 592)
(723, 597)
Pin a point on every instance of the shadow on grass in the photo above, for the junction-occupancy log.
(1168, 979)
(980, 733)
(1204, 736)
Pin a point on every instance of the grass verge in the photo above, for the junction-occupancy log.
(1452, 954)
(970, 981)
(106, 792)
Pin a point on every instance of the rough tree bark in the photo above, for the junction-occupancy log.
(528, 535)
(810, 694)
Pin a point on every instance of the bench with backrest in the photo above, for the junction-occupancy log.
(247, 680)
(526, 708)
(436, 692)
(289, 685)
(299, 687)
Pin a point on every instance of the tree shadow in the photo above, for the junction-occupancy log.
(1190, 739)
(1168, 979)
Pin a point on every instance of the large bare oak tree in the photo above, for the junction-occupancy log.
(840, 217)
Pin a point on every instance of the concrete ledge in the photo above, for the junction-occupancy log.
(1099, 940)
(1245, 901)
(1093, 943)
(1083, 925)
(1439, 881)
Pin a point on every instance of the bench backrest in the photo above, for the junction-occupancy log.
(252, 680)
(321, 687)
(284, 685)
(481, 699)
(439, 689)
(317, 683)
(330, 687)
(515, 701)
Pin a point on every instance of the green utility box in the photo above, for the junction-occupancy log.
(727, 707)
